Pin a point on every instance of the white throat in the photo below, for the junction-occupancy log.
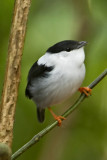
(75, 57)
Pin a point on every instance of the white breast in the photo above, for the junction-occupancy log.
(64, 80)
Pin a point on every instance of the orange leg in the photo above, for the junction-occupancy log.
(58, 118)
(85, 90)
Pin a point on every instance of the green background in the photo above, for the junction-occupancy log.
(84, 133)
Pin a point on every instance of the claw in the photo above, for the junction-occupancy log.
(85, 90)
(58, 118)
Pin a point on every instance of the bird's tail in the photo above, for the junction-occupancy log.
(40, 114)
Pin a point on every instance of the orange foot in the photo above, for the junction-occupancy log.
(85, 90)
(58, 118)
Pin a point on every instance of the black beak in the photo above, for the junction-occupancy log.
(81, 44)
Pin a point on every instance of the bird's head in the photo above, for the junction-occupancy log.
(67, 51)
(66, 46)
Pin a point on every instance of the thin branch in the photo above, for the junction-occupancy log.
(12, 75)
(38, 136)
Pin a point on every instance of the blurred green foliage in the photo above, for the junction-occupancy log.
(84, 133)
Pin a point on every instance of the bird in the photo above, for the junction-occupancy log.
(56, 76)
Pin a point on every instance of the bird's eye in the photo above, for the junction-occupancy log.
(68, 49)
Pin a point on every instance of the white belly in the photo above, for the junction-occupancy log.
(58, 87)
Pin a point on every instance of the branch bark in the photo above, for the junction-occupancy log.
(12, 75)
(38, 136)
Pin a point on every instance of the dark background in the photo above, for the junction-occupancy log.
(84, 133)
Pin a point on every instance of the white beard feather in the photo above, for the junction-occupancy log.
(63, 81)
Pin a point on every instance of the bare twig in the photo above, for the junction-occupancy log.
(38, 136)
(12, 75)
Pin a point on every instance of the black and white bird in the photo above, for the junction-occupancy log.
(56, 76)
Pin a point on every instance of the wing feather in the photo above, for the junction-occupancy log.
(36, 71)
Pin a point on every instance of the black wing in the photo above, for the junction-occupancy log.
(36, 71)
